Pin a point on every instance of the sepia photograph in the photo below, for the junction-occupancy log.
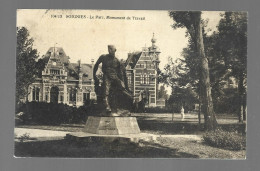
(131, 84)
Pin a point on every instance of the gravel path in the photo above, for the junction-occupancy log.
(38, 133)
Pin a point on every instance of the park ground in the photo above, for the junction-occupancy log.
(175, 138)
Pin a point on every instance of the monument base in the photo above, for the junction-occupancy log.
(111, 125)
(110, 129)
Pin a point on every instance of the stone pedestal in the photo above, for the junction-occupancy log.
(182, 113)
(110, 129)
(112, 125)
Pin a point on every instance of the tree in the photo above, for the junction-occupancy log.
(162, 93)
(233, 48)
(25, 63)
(177, 75)
(40, 65)
(192, 22)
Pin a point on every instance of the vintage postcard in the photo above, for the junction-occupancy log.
(131, 84)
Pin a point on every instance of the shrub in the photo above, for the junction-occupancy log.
(54, 114)
(24, 137)
(157, 110)
(225, 139)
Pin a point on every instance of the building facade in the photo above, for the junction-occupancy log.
(62, 81)
(72, 83)
(141, 70)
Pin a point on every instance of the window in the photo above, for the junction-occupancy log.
(141, 65)
(61, 98)
(72, 95)
(54, 71)
(142, 79)
(86, 97)
(35, 94)
(129, 79)
(145, 79)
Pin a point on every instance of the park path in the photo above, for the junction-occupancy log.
(39, 133)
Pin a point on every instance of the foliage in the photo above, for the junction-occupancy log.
(191, 20)
(24, 137)
(183, 97)
(226, 102)
(40, 65)
(225, 139)
(177, 75)
(162, 93)
(219, 75)
(233, 36)
(54, 114)
(226, 52)
(232, 42)
(157, 110)
(25, 62)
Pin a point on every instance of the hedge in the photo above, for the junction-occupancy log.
(54, 113)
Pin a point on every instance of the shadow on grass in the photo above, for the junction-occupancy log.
(65, 148)
(182, 127)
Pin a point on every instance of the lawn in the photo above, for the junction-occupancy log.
(181, 145)
(165, 147)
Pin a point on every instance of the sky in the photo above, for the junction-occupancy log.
(87, 38)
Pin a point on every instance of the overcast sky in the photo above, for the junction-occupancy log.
(87, 38)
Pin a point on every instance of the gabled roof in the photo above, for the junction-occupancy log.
(59, 52)
(71, 68)
(86, 69)
(133, 58)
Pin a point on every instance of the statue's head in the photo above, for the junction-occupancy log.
(111, 50)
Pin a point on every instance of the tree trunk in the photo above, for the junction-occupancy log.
(240, 98)
(210, 119)
(199, 113)
(244, 108)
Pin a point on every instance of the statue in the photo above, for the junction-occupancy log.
(115, 91)
(182, 113)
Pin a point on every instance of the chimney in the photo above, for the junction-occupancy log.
(92, 69)
(79, 66)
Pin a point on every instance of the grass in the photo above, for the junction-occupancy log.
(225, 139)
(160, 124)
(165, 148)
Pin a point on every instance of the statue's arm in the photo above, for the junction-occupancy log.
(100, 59)
(123, 75)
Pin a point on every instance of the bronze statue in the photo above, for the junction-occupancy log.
(114, 87)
